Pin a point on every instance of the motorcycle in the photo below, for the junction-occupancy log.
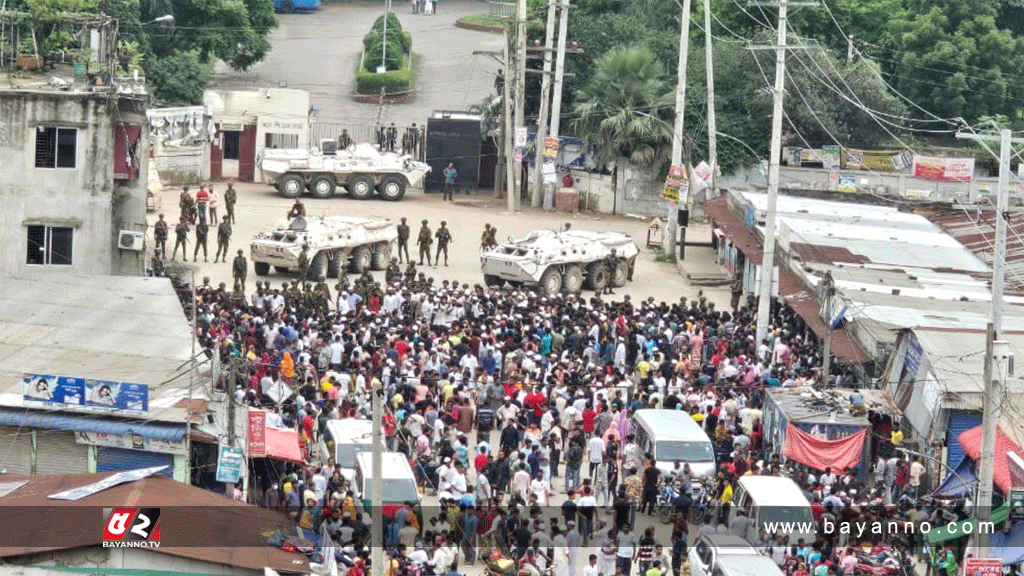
(666, 502)
(703, 501)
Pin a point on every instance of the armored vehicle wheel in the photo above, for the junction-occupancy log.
(392, 188)
(362, 257)
(261, 268)
(618, 279)
(322, 186)
(336, 264)
(291, 185)
(381, 257)
(281, 269)
(492, 280)
(318, 267)
(550, 281)
(597, 276)
(572, 279)
(360, 186)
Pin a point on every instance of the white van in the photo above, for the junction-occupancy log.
(769, 502)
(728, 555)
(398, 481)
(672, 435)
(343, 439)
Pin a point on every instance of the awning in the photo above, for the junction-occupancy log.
(84, 423)
(820, 454)
(283, 445)
(961, 480)
(805, 304)
(971, 441)
(963, 528)
(1008, 546)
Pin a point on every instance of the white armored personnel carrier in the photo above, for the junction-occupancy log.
(361, 169)
(560, 261)
(335, 243)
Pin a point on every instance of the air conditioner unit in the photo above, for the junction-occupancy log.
(131, 240)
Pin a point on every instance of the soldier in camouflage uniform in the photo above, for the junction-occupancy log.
(444, 237)
(403, 241)
(186, 203)
(424, 241)
(611, 262)
(223, 237)
(393, 273)
(202, 234)
(230, 197)
(239, 270)
(303, 262)
(160, 233)
(158, 264)
(484, 237)
(181, 239)
(367, 282)
(410, 273)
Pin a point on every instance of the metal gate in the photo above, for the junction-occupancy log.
(117, 459)
(15, 450)
(58, 453)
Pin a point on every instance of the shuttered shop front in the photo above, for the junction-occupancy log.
(15, 450)
(58, 453)
(117, 459)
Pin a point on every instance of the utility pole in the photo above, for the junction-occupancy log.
(537, 196)
(712, 122)
(520, 94)
(508, 134)
(377, 489)
(993, 384)
(680, 124)
(556, 100)
(771, 216)
(828, 291)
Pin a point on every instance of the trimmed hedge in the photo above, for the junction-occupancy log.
(393, 23)
(393, 81)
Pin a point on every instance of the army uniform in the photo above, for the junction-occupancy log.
(393, 273)
(491, 237)
(186, 204)
(298, 210)
(223, 237)
(410, 273)
(367, 282)
(230, 197)
(181, 239)
(611, 262)
(239, 270)
(202, 232)
(444, 237)
(160, 233)
(403, 241)
(424, 241)
(158, 264)
(303, 262)
(484, 236)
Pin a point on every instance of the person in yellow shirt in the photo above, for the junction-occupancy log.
(644, 368)
(726, 499)
(896, 436)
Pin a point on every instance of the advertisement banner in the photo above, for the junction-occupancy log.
(903, 160)
(831, 157)
(672, 183)
(1016, 501)
(983, 567)
(131, 442)
(811, 156)
(853, 159)
(846, 183)
(703, 171)
(792, 155)
(257, 434)
(877, 160)
(944, 169)
(229, 464)
(42, 390)
(551, 148)
(522, 135)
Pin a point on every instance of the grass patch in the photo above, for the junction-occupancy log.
(484, 19)
(662, 256)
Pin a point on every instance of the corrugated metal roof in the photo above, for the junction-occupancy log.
(194, 523)
(975, 229)
(808, 406)
(128, 329)
(89, 423)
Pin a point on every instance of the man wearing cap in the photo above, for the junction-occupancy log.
(239, 270)
(444, 237)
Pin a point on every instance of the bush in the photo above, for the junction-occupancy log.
(396, 57)
(401, 39)
(393, 23)
(393, 81)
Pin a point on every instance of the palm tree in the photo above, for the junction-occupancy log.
(622, 108)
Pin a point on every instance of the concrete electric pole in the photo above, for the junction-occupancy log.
(672, 218)
(377, 489)
(712, 122)
(537, 194)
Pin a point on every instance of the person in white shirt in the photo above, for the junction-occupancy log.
(539, 488)
(595, 452)
(592, 569)
(457, 486)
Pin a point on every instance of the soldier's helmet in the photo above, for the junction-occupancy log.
(424, 220)
(403, 219)
(613, 250)
(161, 215)
(394, 260)
(443, 223)
(240, 252)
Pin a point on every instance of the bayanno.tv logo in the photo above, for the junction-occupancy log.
(131, 527)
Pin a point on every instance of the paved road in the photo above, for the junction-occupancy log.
(319, 52)
(260, 207)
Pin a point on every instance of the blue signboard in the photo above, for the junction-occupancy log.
(82, 394)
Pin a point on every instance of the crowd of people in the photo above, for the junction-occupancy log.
(493, 393)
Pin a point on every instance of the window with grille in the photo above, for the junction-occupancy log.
(49, 245)
(56, 147)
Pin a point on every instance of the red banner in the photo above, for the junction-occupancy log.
(257, 434)
(944, 169)
(819, 454)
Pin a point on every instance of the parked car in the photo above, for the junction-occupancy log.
(728, 555)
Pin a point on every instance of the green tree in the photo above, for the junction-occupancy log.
(625, 108)
(177, 79)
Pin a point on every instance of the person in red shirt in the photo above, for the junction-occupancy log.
(588, 419)
(202, 199)
(481, 460)
(535, 401)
